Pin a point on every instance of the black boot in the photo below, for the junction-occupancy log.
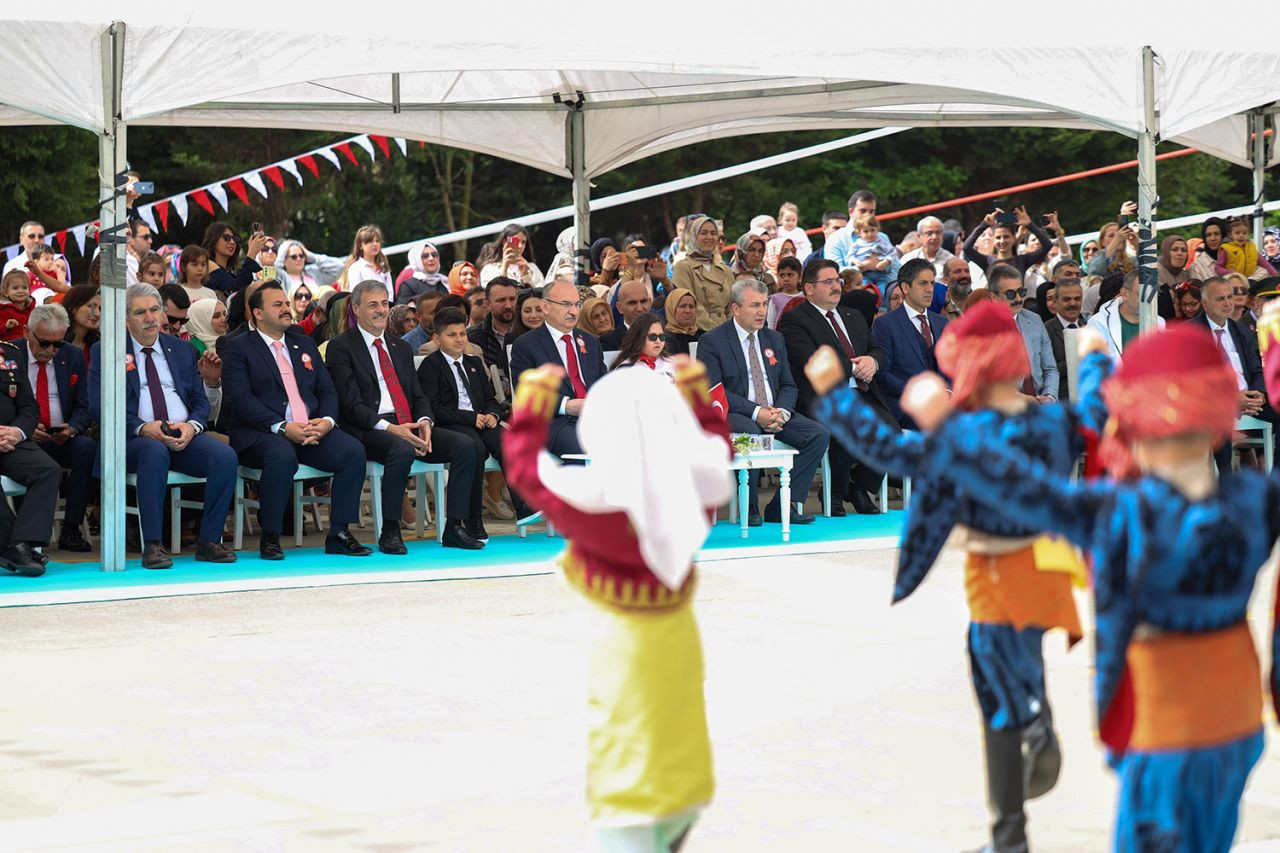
(1005, 791)
(1042, 756)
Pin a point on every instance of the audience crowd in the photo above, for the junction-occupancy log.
(249, 350)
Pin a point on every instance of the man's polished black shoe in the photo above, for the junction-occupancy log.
(344, 543)
(837, 509)
(21, 559)
(475, 529)
(208, 551)
(269, 546)
(154, 556)
(773, 515)
(862, 503)
(391, 542)
(456, 536)
(71, 539)
(754, 519)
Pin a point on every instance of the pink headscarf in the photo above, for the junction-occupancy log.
(773, 253)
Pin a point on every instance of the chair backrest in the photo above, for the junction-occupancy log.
(417, 361)
(693, 349)
(609, 358)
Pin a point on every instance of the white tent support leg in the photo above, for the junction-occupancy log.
(1258, 124)
(111, 440)
(1148, 199)
(581, 190)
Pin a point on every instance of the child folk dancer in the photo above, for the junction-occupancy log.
(633, 518)
(1012, 600)
(1174, 559)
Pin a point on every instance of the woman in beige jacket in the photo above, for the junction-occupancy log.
(704, 273)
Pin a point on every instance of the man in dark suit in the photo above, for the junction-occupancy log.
(751, 363)
(908, 335)
(634, 299)
(820, 320)
(558, 341)
(1068, 303)
(461, 395)
(60, 383)
(25, 463)
(166, 415)
(1241, 350)
(280, 409)
(381, 403)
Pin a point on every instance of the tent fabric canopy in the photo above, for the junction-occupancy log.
(659, 87)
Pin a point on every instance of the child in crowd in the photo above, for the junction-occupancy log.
(874, 253)
(45, 275)
(193, 270)
(1241, 254)
(16, 304)
(789, 272)
(151, 270)
(789, 228)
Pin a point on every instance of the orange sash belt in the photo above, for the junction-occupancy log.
(1195, 690)
(1008, 589)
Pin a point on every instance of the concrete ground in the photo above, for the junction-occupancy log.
(449, 716)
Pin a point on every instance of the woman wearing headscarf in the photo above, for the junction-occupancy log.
(633, 520)
(748, 260)
(206, 321)
(562, 263)
(682, 320)
(1271, 245)
(775, 250)
(462, 277)
(604, 261)
(1173, 272)
(595, 317)
(704, 273)
(1212, 233)
(422, 274)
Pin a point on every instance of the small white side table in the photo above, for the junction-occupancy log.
(743, 464)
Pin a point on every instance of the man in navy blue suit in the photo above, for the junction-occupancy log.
(751, 363)
(60, 383)
(280, 409)
(908, 335)
(558, 341)
(166, 415)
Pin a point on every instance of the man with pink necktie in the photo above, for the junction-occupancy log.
(280, 409)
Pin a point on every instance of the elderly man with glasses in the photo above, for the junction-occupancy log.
(1006, 284)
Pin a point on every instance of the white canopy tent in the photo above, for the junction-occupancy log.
(579, 89)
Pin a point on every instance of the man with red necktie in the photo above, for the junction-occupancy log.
(381, 403)
(559, 341)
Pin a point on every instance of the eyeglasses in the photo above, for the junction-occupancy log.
(43, 344)
(577, 304)
(1014, 294)
(176, 321)
(147, 237)
(835, 280)
(430, 254)
(656, 338)
(1239, 291)
(293, 257)
(268, 249)
(1089, 250)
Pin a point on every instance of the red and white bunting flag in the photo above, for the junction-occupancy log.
(162, 211)
(236, 185)
(364, 142)
(145, 212)
(312, 167)
(78, 233)
(219, 193)
(404, 150)
(254, 179)
(381, 142)
(201, 197)
(275, 175)
(291, 166)
(344, 148)
(180, 207)
(61, 237)
(332, 157)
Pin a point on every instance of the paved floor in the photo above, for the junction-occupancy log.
(448, 716)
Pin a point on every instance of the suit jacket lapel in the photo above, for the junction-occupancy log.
(258, 345)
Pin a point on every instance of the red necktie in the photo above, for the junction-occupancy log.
(575, 376)
(393, 384)
(925, 330)
(845, 345)
(42, 393)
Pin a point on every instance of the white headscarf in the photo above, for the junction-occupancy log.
(564, 253)
(649, 459)
(200, 321)
(420, 272)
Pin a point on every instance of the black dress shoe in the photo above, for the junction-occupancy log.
(753, 518)
(837, 509)
(208, 551)
(71, 539)
(456, 536)
(862, 503)
(773, 515)
(346, 544)
(269, 546)
(475, 529)
(390, 542)
(21, 559)
(154, 556)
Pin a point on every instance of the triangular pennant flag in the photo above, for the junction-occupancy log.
(381, 142)
(291, 166)
(363, 142)
(310, 162)
(78, 233)
(421, 144)
(237, 187)
(345, 148)
(402, 145)
(12, 251)
(162, 210)
(274, 173)
(145, 213)
(180, 207)
(219, 193)
(254, 179)
(61, 237)
(202, 198)
(327, 153)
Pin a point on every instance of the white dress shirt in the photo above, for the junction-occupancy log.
(746, 355)
(1237, 364)
(172, 401)
(1067, 324)
(288, 409)
(385, 406)
(556, 335)
(55, 402)
(464, 399)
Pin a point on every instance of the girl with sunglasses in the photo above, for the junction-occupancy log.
(226, 272)
(645, 346)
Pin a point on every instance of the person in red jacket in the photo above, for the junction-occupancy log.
(16, 304)
(633, 518)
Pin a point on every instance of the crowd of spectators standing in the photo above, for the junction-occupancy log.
(250, 350)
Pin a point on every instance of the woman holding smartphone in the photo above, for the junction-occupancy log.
(1004, 231)
(509, 256)
(226, 273)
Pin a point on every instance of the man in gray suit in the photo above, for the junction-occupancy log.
(1007, 286)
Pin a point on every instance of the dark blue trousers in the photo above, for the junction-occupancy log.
(278, 457)
(205, 457)
(77, 455)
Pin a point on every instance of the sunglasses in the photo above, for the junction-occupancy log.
(302, 297)
(295, 257)
(1015, 294)
(656, 338)
(43, 344)
(430, 254)
(1239, 291)
(176, 321)
(269, 248)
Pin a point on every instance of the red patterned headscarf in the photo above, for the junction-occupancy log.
(982, 347)
(1170, 383)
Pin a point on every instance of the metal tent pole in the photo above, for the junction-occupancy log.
(1258, 124)
(576, 145)
(1148, 199)
(111, 241)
